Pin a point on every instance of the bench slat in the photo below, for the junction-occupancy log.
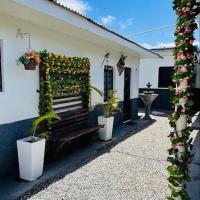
(67, 96)
(70, 117)
(70, 123)
(75, 134)
(67, 100)
(67, 107)
(69, 127)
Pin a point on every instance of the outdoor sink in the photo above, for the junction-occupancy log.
(147, 97)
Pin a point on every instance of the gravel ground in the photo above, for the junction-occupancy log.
(135, 169)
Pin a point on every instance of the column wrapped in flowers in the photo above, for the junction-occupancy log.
(179, 152)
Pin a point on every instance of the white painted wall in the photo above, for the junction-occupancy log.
(19, 99)
(149, 68)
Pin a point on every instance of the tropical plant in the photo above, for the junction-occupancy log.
(29, 57)
(38, 121)
(110, 107)
(98, 91)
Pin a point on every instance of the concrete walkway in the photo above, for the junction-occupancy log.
(132, 166)
(135, 169)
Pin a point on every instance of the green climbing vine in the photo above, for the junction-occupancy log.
(179, 152)
(60, 76)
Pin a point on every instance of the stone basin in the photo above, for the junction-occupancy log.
(147, 99)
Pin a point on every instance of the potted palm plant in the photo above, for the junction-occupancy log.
(29, 59)
(109, 109)
(31, 150)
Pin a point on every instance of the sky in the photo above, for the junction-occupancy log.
(129, 17)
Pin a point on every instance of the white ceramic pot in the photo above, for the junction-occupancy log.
(105, 133)
(181, 123)
(31, 158)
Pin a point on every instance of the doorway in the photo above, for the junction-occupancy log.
(127, 100)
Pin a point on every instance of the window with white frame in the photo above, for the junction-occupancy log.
(108, 81)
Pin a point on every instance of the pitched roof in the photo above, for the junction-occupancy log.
(100, 25)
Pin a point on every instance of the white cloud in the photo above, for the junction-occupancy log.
(109, 19)
(162, 45)
(78, 5)
(158, 45)
(124, 24)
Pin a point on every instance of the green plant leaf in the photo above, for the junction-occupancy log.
(40, 119)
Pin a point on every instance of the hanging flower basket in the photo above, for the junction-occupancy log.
(30, 66)
(29, 59)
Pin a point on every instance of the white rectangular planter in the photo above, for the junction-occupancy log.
(31, 158)
(105, 133)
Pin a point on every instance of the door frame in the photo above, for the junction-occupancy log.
(127, 94)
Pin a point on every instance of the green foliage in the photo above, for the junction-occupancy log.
(38, 121)
(61, 75)
(111, 106)
(98, 91)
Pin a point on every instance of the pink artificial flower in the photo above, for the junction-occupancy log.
(180, 53)
(189, 56)
(185, 98)
(174, 167)
(180, 56)
(181, 144)
(177, 44)
(179, 134)
(183, 110)
(183, 9)
(179, 91)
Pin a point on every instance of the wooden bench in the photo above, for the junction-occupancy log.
(74, 113)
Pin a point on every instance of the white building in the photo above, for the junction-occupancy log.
(159, 71)
(63, 31)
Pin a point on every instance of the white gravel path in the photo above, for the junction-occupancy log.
(135, 169)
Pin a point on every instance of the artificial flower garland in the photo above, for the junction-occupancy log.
(179, 153)
(60, 76)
